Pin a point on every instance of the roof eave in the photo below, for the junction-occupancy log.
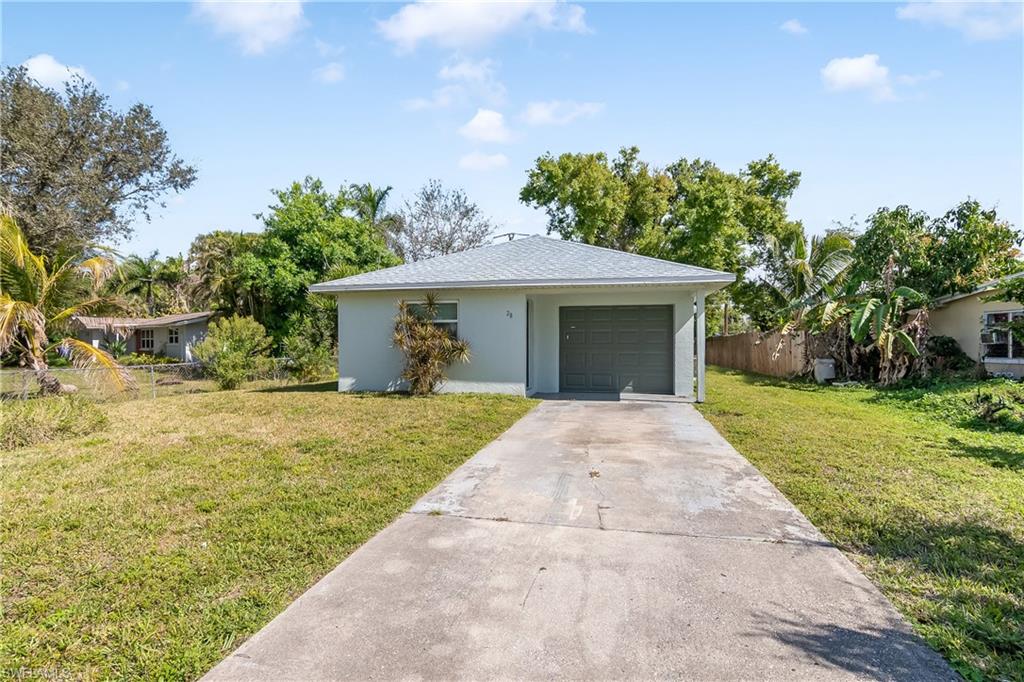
(717, 283)
(980, 289)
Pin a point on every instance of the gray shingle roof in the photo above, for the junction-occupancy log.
(86, 322)
(530, 262)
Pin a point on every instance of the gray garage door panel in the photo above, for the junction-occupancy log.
(616, 349)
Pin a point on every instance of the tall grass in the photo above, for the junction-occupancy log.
(28, 422)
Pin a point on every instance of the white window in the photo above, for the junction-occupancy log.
(998, 342)
(172, 335)
(447, 316)
(145, 339)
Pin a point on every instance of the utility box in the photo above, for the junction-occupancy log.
(824, 369)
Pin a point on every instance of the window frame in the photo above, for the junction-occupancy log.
(145, 340)
(988, 327)
(176, 338)
(452, 324)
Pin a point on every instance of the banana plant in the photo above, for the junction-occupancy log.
(883, 321)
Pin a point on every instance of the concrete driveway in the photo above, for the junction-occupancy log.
(596, 540)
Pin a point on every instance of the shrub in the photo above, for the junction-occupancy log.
(235, 350)
(944, 353)
(428, 348)
(116, 347)
(136, 359)
(27, 422)
(310, 360)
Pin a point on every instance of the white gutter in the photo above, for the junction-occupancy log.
(331, 287)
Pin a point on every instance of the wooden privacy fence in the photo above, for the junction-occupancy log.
(753, 351)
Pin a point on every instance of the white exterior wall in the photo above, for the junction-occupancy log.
(545, 329)
(963, 320)
(492, 322)
(190, 334)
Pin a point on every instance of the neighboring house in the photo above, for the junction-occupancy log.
(541, 316)
(978, 326)
(173, 336)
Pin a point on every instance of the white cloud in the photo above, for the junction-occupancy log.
(255, 25)
(793, 26)
(468, 24)
(441, 98)
(467, 70)
(326, 49)
(331, 72)
(122, 85)
(858, 73)
(918, 78)
(478, 161)
(52, 74)
(558, 112)
(976, 20)
(466, 79)
(867, 73)
(486, 126)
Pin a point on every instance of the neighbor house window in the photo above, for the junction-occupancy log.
(145, 340)
(172, 335)
(447, 316)
(998, 342)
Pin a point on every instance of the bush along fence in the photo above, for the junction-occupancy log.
(761, 353)
(149, 381)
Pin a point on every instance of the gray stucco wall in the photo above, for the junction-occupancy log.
(494, 324)
(188, 336)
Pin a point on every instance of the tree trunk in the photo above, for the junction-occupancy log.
(48, 384)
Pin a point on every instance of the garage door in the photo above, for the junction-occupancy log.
(615, 349)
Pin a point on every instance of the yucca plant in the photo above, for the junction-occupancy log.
(39, 296)
(429, 349)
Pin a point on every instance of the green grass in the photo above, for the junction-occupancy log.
(27, 422)
(927, 499)
(152, 547)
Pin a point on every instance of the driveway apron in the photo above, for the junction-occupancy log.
(594, 540)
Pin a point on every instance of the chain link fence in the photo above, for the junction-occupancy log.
(149, 381)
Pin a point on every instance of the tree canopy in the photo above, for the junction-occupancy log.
(310, 235)
(594, 201)
(689, 212)
(950, 254)
(73, 170)
(439, 221)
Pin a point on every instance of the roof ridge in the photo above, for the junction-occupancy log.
(637, 255)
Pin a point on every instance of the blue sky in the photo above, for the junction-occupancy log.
(876, 104)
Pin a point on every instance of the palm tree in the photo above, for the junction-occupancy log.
(370, 204)
(39, 295)
(809, 274)
(139, 275)
(213, 280)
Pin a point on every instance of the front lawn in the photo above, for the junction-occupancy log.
(926, 498)
(152, 547)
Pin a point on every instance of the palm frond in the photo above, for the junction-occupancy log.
(85, 356)
(99, 269)
(19, 319)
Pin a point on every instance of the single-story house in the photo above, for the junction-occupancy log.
(978, 326)
(541, 315)
(172, 336)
